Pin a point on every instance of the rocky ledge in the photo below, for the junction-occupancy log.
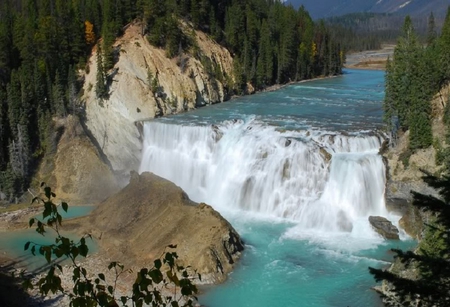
(384, 227)
(137, 224)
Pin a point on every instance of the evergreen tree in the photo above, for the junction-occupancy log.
(58, 97)
(431, 31)
(265, 58)
(101, 90)
(444, 47)
(430, 261)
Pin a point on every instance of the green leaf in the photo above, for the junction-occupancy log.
(59, 268)
(47, 211)
(76, 273)
(48, 192)
(186, 291)
(83, 250)
(27, 245)
(172, 246)
(101, 276)
(173, 277)
(168, 258)
(158, 263)
(58, 252)
(48, 255)
(64, 206)
(156, 276)
(174, 304)
(110, 289)
(74, 251)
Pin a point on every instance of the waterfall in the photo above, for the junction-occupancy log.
(321, 180)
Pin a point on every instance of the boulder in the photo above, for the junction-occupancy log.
(136, 225)
(384, 227)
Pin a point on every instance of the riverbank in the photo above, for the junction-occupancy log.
(370, 59)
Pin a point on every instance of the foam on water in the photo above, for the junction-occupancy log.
(249, 166)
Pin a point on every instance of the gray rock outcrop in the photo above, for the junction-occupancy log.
(384, 227)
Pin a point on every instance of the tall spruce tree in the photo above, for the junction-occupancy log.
(443, 48)
(101, 90)
(406, 100)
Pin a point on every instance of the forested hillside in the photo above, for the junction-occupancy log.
(329, 8)
(368, 31)
(44, 46)
(413, 77)
(412, 109)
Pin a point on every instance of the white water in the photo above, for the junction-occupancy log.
(245, 165)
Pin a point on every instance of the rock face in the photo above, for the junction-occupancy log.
(77, 171)
(135, 226)
(146, 84)
(384, 227)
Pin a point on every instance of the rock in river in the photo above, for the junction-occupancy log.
(384, 227)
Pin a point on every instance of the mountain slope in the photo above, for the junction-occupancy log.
(329, 8)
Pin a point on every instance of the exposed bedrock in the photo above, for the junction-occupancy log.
(135, 226)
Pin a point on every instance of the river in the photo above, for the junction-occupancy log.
(297, 173)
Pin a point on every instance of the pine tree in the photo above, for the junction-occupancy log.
(431, 31)
(264, 70)
(431, 260)
(101, 90)
(444, 47)
(58, 97)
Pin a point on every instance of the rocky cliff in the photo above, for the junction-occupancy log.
(135, 226)
(76, 171)
(144, 83)
(404, 176)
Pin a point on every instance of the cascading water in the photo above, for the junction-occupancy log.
(246, 165)
(297, 173)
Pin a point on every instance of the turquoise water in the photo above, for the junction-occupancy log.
(12, 243)
(73, 212)
(259, 160)
(279, 271)
(350, 102)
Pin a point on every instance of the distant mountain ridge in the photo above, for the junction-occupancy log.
(329, 8)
